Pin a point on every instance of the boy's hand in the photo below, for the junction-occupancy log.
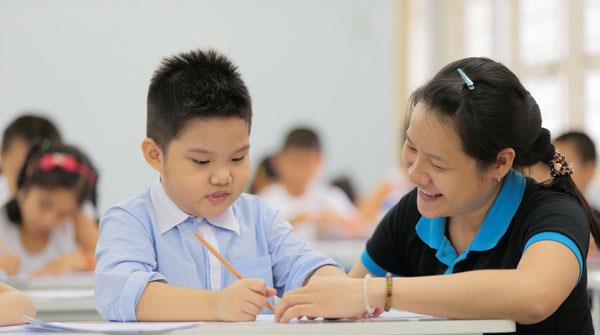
(10, 263)
(243, 300)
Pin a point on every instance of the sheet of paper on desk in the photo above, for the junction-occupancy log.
(397, 315)
(109, 327)
(393, 315)
(12, 329)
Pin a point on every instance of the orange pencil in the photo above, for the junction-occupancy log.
(225, 262)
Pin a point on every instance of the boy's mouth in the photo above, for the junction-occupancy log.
(217, 197)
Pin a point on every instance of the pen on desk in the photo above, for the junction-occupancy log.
(225, 262)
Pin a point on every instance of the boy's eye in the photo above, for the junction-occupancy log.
(199, 162)
(239, 159)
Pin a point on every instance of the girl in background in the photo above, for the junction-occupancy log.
(41, 229)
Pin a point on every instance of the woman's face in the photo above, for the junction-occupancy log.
(449, 182)
(45, 209)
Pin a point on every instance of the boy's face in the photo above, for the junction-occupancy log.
(206, 167)
(297, 167)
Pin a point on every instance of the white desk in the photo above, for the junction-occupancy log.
(60, 298)
(430, 327)
(64, 304)
(439, 327)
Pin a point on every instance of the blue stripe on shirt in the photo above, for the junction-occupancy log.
(560, 238)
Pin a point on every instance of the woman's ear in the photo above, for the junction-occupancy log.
(504, 162)
(152, 154)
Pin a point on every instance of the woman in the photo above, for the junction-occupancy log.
(475, 239)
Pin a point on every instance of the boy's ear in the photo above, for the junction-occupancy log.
(152, 154)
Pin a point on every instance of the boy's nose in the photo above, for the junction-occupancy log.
(222, 177)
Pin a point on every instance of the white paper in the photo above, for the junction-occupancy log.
(398, 315)
(109, 327)
(12, 329)
(392, 315)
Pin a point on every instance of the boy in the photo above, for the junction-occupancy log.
(315, 209)
(150, 267)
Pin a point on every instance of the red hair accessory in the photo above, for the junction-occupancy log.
(64, 162)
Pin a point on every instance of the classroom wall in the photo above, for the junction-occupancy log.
(87, 64)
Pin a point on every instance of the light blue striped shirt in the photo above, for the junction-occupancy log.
(148, 238)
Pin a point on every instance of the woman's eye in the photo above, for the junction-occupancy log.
(238, 159)
(200, 162)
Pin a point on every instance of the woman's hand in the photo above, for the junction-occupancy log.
(328, 297)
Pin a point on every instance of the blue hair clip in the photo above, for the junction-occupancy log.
(466, 79)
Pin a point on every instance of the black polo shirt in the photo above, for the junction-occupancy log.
(407, 244)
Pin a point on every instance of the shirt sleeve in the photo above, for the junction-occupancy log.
(385, 250)
(125, 263)
(292, 260)
(562, 220)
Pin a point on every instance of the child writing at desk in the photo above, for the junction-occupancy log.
(150, 266)
(38, 230)
(13, 305)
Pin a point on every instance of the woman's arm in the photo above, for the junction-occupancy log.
(13, 305)
(545, 276)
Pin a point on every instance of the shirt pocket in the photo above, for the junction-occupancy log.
(256, 267)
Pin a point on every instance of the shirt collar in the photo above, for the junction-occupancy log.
(495, 224)
(169, 215)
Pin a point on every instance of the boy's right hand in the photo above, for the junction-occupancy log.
(10, 263)
(243, 300)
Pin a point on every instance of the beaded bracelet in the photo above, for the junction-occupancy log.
(389, 283)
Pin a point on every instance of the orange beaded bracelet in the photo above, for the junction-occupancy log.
(389, 283)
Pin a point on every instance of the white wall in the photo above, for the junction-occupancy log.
(87, 64)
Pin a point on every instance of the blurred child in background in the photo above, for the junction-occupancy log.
(315, 209)
(387, 194)
(265, 176)
(43, 229)
(18, 137)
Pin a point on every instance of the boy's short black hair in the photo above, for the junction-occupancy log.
(583, 144)
(31, 128)
(303, 138)
(194, 85)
